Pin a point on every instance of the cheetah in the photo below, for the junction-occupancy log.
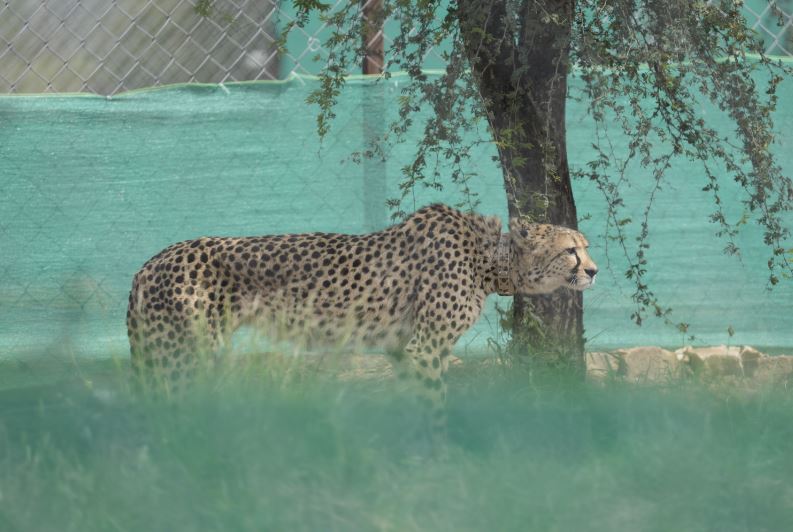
(411, 289)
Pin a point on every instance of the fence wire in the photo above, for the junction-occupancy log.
(110, 46)
(105, 47)
(773, 21)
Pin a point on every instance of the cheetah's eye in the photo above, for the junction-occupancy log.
(571, 251)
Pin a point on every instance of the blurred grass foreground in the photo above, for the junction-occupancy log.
(277, 449)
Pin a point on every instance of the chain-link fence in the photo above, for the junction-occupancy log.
(105, 47)
(773, 21)
(109, 46)
(91, 187)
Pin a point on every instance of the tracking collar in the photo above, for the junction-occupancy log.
(504, 285)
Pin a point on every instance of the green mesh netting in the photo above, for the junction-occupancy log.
(91, 187)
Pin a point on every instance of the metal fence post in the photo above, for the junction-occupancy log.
(374, 167)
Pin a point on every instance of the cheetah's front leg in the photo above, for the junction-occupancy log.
(423, 363)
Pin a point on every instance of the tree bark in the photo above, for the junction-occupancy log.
(521, 63)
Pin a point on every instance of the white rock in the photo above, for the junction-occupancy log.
(649, 364)
(600, 365)
(773, 370)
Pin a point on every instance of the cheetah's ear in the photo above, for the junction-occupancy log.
(523, 229)
(493, 225)
(491, 228)
(524, 234)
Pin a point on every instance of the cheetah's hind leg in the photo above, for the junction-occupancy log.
(168, 355)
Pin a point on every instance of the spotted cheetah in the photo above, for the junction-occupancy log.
(412, 289)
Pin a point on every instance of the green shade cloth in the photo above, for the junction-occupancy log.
(91, 187)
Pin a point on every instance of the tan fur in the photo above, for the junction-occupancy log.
(412, 289)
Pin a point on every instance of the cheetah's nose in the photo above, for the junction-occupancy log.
(592, 272)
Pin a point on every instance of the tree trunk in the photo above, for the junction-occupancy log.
(521, 62)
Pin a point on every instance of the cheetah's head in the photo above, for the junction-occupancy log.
(546, 257)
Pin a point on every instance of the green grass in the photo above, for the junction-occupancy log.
(261, 452)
